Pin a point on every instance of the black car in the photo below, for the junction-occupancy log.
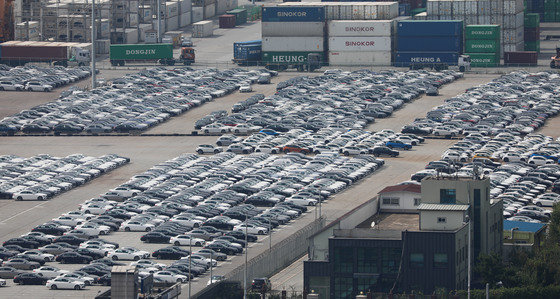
(222, 248)
(30, 278)
(94, 255)
(25, 243)
(72, 240)
(219, 224)
(170, 253)
(232, 240)
(14, 247)
(95, 270)
(183, 268)
(108, 262)
(49, 229)
(241, 236)
(261, 285)
(383, 151)
(155, 237)
(73, 258)
(104, 280)
(6, 253)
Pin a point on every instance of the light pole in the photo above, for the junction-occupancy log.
(269, 235)
(246, 249)
(211, 266)
(469, 262)
(93, 31)
(190, 265)
(158, 21)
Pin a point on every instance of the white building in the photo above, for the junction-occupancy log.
(400, 198)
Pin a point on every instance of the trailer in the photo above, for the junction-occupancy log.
(16, 53)
(161, 53)
(300, 60)
(247, 53)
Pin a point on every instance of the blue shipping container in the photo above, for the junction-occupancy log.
(243, 52)
(408, 58)
(404, 9)
(430, 28)
(293, 14)
(250, 42)
(430, 43)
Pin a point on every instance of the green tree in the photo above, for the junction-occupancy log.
(553, 236)
(490, 268)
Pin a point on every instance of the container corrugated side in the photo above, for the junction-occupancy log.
(513, 6)
(482, 32)
(459, 8)
(513, 21)
(359, 58)
(293, 14)
(248, 52)
(484, 59)
(360, 44)
(430, 28)
(141, 52)
(496, 7)
(430, 43)
(521, 57)
(293, 43)
(482, 46)
(288, 57)
(293, 28)
(360, 28)
(408, 58)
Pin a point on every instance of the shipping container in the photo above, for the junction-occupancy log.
(184, 19)
(408, 58)
(482, 46)
(532, 34)
(293, 28)
(482, 32)
(102, 46)
(532, 20)
(521, 58)
(247, 52)
(240, 16)
(227, 21)
(484, 59)
(32, 52)
(511, 36)
(352, 10)
(172, 23)
(288, 57)
(360, 28)
(203, 29)
(222, 6)
(140, 52)
(430, 28)
(293, 44)
(359, 44)
(171, 9)
(359, 58)
(197, 14)
(293, 14)
(209, 11)
(533, 46)
(185, 6)
(430, 43)
(513, 21)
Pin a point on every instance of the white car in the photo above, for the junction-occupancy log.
(540, 160)
(49, 272)
(302, 201)
(545, 201)
(149, 263)
(125, 192)
(267, 149)
(513, 157)
(445, 131)
(37, 86)
(38, 254)
(245, 128)
(186, 220)
(41, 235)
(215, 128)
(79, 214)
(65, 283)
(96, 208)
(97, 243)
(130, 254)
(245, 88)
(2, 282)
(8, 85)
(185, 240)
(137, 226)
(455, 156)
(29, 195)
(77, 277)
(208, 149)
(353, 150)
(201, 259)
(251, 229)
(70, 221)
(169, 277)
(97, 249)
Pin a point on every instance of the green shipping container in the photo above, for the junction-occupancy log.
(484, 59)
(550, 4)
(254, 12)
(533, 46)
(240, 16)
(532, 20)
(417, 11)
(557, 16)
(141, 52)
(288, 57)
(482, 46)
(482, 32)
(549, 16)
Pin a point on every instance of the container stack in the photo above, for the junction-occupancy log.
(532, 32)
(290, 34)
(185, 8)
(353, 10)
(482, 44)
(171, 16)
(537, 6)
(224, 5)
(430, 41)
(27, 31)
(551, 11)
(365, 43)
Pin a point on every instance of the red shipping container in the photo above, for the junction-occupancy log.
(227, 21)
(532, 34)
(34, 53)
(521, 58)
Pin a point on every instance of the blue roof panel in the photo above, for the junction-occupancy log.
(523, 226)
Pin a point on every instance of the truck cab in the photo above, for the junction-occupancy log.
(187, 55)
(78, 57)
(555, 60)
(464, 63)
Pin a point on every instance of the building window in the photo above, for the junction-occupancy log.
(365, 284)
(390, 260)
(367, 260)
(343, 287)
(447, 196)
(417, 201)
(391, 201)
(441, 220)
(440, 260)
(416, 260)
(343, 260)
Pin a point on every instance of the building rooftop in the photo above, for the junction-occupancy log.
(392, 221)
(523, 226)
(406, 188)
(442, 207)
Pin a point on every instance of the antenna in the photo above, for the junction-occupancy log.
(372, 224)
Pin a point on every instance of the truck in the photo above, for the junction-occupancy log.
(555, 60)
(162, 53)
(16, 53)
(434, 60)
(302, 61)
(247, 53)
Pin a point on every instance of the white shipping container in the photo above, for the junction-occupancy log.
(171, 9)
(513, 6)
(291, 28)
(513, 47)
(432, 7)
(421, 16)
(513, 21)
(345, 12)
(459, 8)
(185, 19)
(131, 36)
(471, 7)
(387, 10)
(511, 36)
(484, 7)
(332, 12)
(203, 29)
(358, 12)
(432, 17)
(133, 20)
(359, 44)
(102, 46)
(104, 29)
(150, 36)
(471, 20)
(496, 19)
(496, 7)
(172, 23)
(359, 58)
(445, 7)
(197, 14)
(222, 6)
(185, 6)
(209, 11)
(484, 19)
(163, 28)
(360, 28)
(293, 44)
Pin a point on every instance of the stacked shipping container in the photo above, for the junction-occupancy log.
(419, 41)
(532, 32)
(290, 34)
(482, 44)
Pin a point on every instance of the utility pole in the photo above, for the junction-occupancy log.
(469, 263)
(93, 32)
(158, 22)
(269, 235)
(190, 265)
(246, 249)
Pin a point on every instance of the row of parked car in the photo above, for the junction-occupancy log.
(516, 103)
(327, 140)
(130, 104)
(36, 78)
(43, 176)
(338, 100)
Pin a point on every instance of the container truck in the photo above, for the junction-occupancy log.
(162, 53)
(247, 53)
(433, 60)
(16, 53)
(302, 61)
